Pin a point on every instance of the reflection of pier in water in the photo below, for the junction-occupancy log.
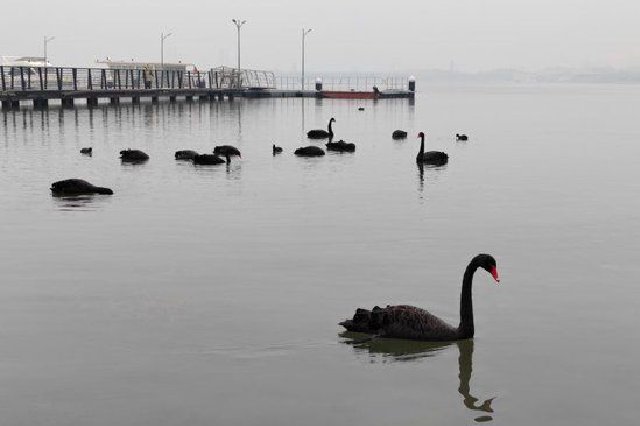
(399, 350)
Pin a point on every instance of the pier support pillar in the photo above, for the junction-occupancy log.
(40, 103)
(172, 99)
(135, 100)
(204, 98)
(114, 101)
(188, 99)
(6, 105)
(230, 97)
(15, 105)
(91, 102)
(67, 102)
(155, 99)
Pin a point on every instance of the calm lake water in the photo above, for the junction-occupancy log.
(211, 295)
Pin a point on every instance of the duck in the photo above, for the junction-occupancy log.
(432, 158)
(410, 322)
(322, 134)
(86, 150)
(276, 149)
(309, 151)
(461, 137)
(77, 187)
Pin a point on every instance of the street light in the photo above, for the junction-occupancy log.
(238, 23)
(304, 35)
(47, 39)
(163, 37)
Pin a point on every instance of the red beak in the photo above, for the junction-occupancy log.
(494, 273)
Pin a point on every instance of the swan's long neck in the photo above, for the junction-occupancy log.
(422, 145)
(465, 329)
(330, 128)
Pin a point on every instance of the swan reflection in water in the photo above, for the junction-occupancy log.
(399, 350)
(79, 202)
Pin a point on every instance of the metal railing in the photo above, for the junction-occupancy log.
(359, 83)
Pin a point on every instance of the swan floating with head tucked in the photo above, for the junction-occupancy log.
(409, 322)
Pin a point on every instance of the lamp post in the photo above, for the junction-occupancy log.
(163, 37)
(47, 39)
(304, 35)
(238, 23)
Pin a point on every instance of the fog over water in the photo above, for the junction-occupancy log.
(211, 295)
(358, 35)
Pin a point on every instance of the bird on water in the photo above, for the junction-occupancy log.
(77, 187)
(309, 151)
(399, 134)
(276, 149)
(461, 137)
(208, 159)
(322, 134)
(340, 146)
(227, 149)
(433, 158)
(87, 151)
(133, 156)
(186, 154)
(410, 322)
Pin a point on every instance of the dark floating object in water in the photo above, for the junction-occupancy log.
(432, 158)
(340, 146)
(87, 151)
(186, 155)
(309, 151)
(409, 322)
(322, 134)
(461, 137)
(207, 160)
(399, 134)
(133, 156)
(77, 187)
(277, 149)
(361, 109)
(226, 149)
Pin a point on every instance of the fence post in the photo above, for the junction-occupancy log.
(89, 81)
(189, 77)
(3, 82)
(59, 78)
(103, 79)
(22, 86)
(74, 73)
(40, 77)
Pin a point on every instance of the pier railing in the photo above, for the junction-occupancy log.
(337, 82)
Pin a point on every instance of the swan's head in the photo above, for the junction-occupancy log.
(488, 263)
(332, 120)
(421, 135)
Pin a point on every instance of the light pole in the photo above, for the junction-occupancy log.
(238, 23)
(304, 35)
(47, 39)
(163, 37)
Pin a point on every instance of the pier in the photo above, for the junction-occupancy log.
(40, 85)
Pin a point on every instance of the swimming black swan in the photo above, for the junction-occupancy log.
(399, 134)
(277, 149)
(340, 146)
(309, 151)
(186, 155)
(77, 187)
(433, 158)
(227, 149)
(322, 134)
(461, 137)
(207, 159)
(133, 156)
(361, 109)
(409, 322)
(87, 151)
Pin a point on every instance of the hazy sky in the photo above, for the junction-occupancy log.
(347, 35)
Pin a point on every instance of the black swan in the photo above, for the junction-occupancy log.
(133, 156)
(433, 158)
(186, 155)
(309, 151)
(399, 134)
(87, 151)
(340, 146)
(227, 149)
(277, 149)
(409, 322)
(207, 159)
(77, 187)
(322, 134)
(361, 109)
(461, 137)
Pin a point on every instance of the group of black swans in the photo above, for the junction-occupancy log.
(400, 321)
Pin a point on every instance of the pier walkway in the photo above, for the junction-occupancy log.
(39, 85)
